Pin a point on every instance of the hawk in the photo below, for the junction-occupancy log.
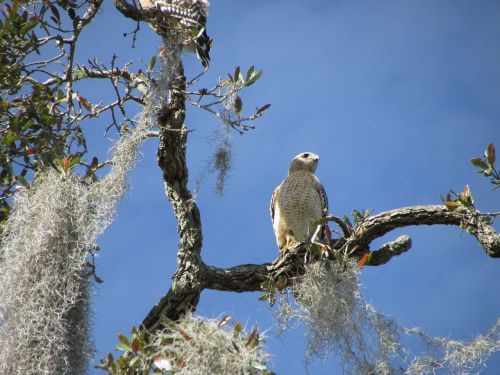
(297, 202)
(187, 17)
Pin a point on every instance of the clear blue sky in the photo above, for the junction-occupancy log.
(395, 96)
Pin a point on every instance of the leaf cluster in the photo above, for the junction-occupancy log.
(486, 165)
(271, 287)
(170, 351)
(464, 199)
(17, 40)
(41, 113)
(32, 136)
(224, 99)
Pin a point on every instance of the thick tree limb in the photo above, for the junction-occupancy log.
(390, 249)
(476, 224)
(249, 277)
(184, 293)
(186, 284)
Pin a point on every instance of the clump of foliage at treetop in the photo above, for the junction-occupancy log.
(39, 125)
(486, 165)
(192, 345)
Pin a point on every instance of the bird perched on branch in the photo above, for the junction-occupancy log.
(298, 202)
(186, 18)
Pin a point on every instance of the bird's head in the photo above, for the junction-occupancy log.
(305, 161)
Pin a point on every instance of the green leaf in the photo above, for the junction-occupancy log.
(55, 12)
(254, 78)
(15, 124)
(452, 205)
(346, 220)
(238, 106)
(124, 347)
(28, 26)
(122, 363)
(237, 329)
(466, 197)
(281, 283)
(264, 297)
(10, 138)
(316, 250)
(356, 216)
(253, 338)
(237, 73)
(74, 161)
(98, 280)
(94, 163)
(134, 362)
(152, 63)
(59, 163)
(123, 339)
(478, 162)
(23, 181)
(27, 124)
(250, 72)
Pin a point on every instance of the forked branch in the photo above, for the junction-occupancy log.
(249, 277)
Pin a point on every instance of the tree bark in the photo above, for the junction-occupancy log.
(184, 294)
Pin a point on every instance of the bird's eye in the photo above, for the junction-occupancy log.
(305, 155)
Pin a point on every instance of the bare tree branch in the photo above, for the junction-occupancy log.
(343, 225)
(474, 223)
(390, 249)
